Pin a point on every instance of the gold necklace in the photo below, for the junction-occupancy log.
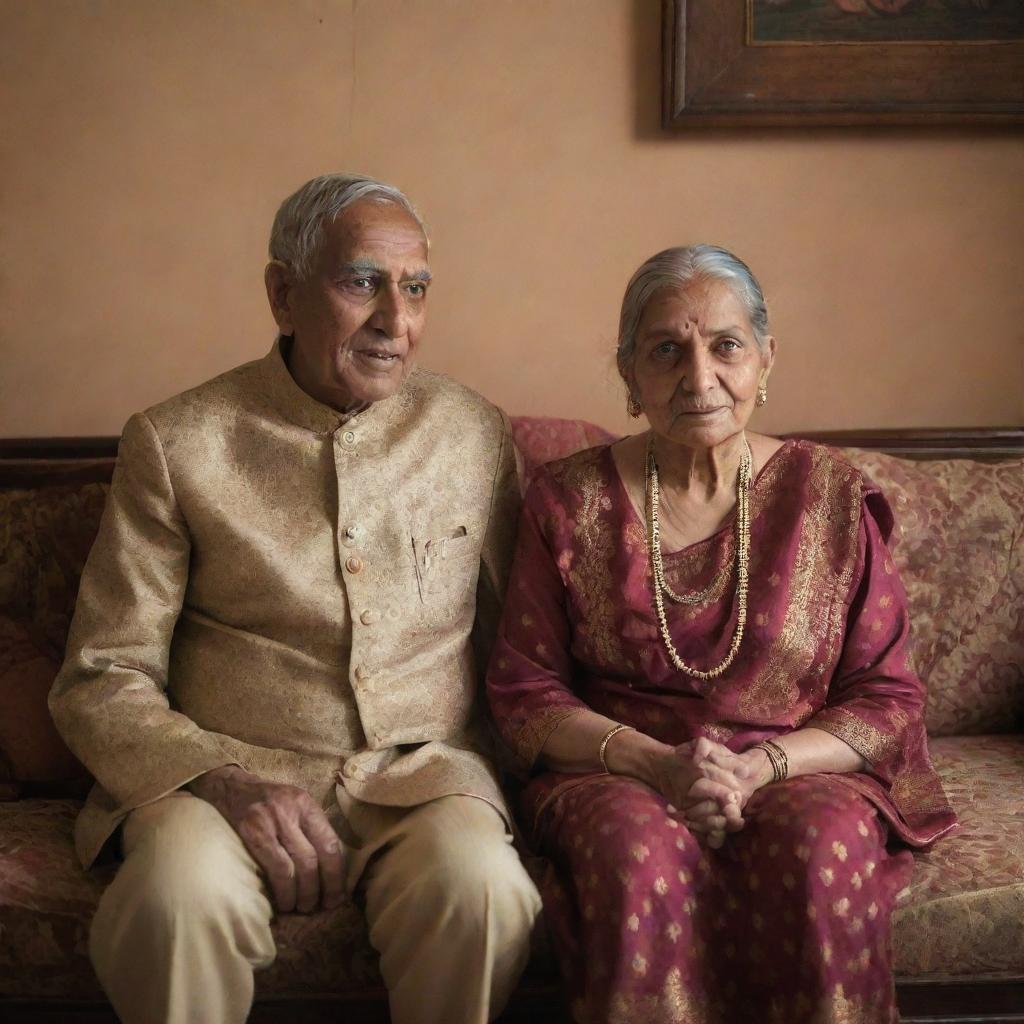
(742, 536)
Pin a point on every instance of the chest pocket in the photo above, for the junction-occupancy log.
(446, 570)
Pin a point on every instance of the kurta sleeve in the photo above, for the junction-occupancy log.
(529, 683)
(496, 552)
(876, 700)
(109, 700)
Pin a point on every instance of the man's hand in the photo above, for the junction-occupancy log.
(287, 834)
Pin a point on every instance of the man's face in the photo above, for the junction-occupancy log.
(358, 318)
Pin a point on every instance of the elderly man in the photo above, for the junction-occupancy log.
(272, 670)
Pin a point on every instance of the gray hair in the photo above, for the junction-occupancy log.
(676, 268)
(297, 233)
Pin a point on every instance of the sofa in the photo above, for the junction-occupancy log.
(958, 931)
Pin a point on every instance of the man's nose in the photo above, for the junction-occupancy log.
(389, 314)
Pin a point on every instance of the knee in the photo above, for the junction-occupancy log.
(834, 839)
(487, 894)
(180, 880)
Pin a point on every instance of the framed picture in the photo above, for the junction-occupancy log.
(744, 63)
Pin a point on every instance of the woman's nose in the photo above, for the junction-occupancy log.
(698, 373)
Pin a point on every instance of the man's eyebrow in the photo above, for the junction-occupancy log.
(369, 267)
(362, 267)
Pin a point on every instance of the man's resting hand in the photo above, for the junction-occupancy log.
(287, 834)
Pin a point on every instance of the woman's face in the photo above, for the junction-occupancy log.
(697, 365)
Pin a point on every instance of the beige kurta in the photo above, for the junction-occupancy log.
(304, 594)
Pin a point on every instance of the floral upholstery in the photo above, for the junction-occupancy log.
(958, 546)
(964, 910)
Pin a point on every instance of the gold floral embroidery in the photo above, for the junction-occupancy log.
(537, 727)
(874, 745)
(824, 567)
(846, 1010)
(673, 1005)
(591, 573)
(918, 792)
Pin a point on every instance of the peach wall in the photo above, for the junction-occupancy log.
(146, 145)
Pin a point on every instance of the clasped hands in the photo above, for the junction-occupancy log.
(709, 785)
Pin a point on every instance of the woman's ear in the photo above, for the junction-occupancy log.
(767, 359)
(278, 279)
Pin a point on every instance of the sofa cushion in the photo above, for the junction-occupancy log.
(963, 912)
(30, 748)
(44, 541)
(959, 548)
(46, 902)
(541, 439)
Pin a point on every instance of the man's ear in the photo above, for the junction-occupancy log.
(279, 281)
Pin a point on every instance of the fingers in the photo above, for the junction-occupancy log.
(259, 833)
(306, 865)
(709, 789)
(697, 811)
(292, 841)
(722, 775)
(725, 758)
(733, 813)
(330, 857)
(702, 749)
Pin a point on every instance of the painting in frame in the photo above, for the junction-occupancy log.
(747, 63)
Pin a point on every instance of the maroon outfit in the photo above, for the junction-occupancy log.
(790, 921)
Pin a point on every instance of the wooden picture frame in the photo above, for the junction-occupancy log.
(716, 75)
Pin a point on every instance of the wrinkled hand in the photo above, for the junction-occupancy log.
(751, 770)
(287, 834)
(700, 779)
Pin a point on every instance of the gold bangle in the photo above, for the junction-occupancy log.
(776, 758)
(613, 731)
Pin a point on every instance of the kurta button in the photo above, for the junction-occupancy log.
(349, 437)
(350, 533)
(362, 674)
(368, 617)
(353, 564)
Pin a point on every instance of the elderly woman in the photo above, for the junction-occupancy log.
(704, 661)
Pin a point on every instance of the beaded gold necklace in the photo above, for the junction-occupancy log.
(661, 587)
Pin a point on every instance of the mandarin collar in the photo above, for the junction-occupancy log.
(370, 424)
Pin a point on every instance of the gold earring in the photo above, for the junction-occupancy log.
(762, 395)
(633, 407)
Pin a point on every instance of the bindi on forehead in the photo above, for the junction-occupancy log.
(704, 309)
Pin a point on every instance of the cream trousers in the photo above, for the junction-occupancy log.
(186, 921)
